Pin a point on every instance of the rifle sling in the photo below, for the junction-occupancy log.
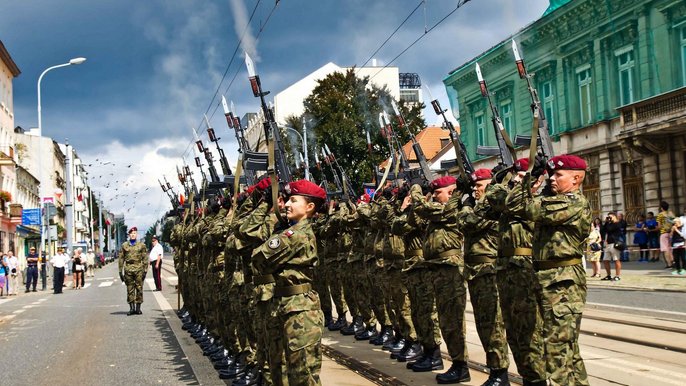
(274, 180)
(385, 175)
(533, 144)
(236, 185)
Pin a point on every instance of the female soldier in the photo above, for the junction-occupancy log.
(294, 324)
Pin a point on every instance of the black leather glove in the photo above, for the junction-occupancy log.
(469, 201)
(464, 184)
(539, 166)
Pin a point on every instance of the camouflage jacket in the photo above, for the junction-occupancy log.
(444, 240)
(133, 257)
(514, 230)
(411, 228)
(562, 222)
(480, 239)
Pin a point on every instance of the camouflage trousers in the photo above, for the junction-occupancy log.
(333, 279)
(483, 293)
(375, 299)
(294, 340)
(401, 304)
(423, 309)
(247, 320)
(227, 318)
(360, 289)
(322, 287)
(523, 322)
(134, 285)
(386, 298)
(450, 291)
(235, 312)
(562, 297)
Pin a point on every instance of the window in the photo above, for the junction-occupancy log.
(625, 66)
(506, 116)
(11, 243)
(683, 55)
(410, 96)
(548, 105)
(584, 80)
(480, 134)
(3, 237)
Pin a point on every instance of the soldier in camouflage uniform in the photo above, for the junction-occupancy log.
(562, 218)
(332, 274)
(516, 283)
(444, 261)
(294, 325)
(133, 265)
(481, 248)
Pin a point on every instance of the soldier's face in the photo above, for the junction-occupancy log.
(480, 188)
(442, 195)
(297, 208)
(565, 181)
(133, 235)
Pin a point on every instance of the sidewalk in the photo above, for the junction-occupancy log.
(640, 275)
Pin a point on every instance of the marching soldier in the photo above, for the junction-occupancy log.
(562, 218)
(133, 266)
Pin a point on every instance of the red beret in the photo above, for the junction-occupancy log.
(482, 174)
(566, 162)
(522, 165)
(133, 229)
(305, 188)
(365, 198)
(442, 182)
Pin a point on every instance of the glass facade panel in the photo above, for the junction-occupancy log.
(506, 116)
(548, 105)
(584, 81)
(481, 137)
(625, 64)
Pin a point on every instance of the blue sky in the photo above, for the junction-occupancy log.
(153, 67)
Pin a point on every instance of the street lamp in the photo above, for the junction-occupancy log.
(303, 141)
(73, 61)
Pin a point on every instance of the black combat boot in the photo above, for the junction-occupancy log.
(132, 310)
(535, 383)
(338, 324)
(138, 309)
(430, 361)
(411, 352)
(252, 376)
(215, 348)
(367, 333)
(392, 342)
(219, 355)
(235, 370)
(225, 363)
(396, 348)
(497, 377)
(457, 373)
(385, 335)
(199, 333)
(328, 320)
(354, 327)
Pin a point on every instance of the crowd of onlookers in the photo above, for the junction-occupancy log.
(79, 265)
(654, 238)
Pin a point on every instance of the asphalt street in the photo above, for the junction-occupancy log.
(638, 301)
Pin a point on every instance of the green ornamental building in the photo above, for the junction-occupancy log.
(611, 77)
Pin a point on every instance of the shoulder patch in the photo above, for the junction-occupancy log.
(274, 243)
(288, 233)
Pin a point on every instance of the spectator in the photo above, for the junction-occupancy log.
(155, 259)
(3, 274)
(613, 246)
(594, 248)
(653, 237)
(665, 220)
(31, 269)
(678, 234)
(641, 238)
(59, 261)
(13, 267)
(624, 254)
(90, 262)
(77, 268)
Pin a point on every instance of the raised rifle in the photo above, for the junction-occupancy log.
(507, 152)
(348, 190)
(170, 194)
(324, 184)
(189, 177)
(182, 180)
(235, 123)
(464, 164)
(336, 179)
(222, 157)
(540, 125)
(425, 171)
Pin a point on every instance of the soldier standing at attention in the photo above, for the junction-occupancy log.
(294, 323)
(562, 218)
(133, 261)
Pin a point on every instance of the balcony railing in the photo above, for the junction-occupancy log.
(657, 109)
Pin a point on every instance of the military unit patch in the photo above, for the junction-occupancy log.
(288, 233)
(274, 243)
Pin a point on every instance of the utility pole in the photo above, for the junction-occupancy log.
(68, 206)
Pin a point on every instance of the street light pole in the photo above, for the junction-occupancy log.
(74, 61)
(303, 141)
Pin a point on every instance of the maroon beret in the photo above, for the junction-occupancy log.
(305, 188)
(133, 229)
(566, 162)
(522, 165)
(482, 174)
(442, 182)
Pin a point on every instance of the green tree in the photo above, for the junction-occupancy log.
(340, 112)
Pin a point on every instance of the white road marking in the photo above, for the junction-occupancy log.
(18, 311)
(28, 306)
(35, 303)
(636, 309)
(641, 370)
(106, 284)
(42, 300)
(105, 278)
(163, 303)
(6, 300)
(87, 285)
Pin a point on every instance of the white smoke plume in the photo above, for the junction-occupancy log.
(243, 30)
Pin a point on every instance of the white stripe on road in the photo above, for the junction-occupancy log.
(105, 278)
(161, 301)
(601, 305)
(640, 370)
(28, 306)
(106, 284)
(18, 311)
(42, 300)
(6, 300)
(87, 285)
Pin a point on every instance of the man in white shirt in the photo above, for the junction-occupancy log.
(155, 259)
(13, 267)
(59, 261)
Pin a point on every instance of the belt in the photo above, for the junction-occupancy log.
(262, 279)
(479, 259)
(450, 252)
(292, 290)
(549, 264)
(509, 252)
(414, 252)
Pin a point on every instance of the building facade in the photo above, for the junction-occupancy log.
(611, 77)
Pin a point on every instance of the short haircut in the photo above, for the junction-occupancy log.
(664, 205)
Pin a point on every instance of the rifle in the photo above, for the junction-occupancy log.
(348, 190)
(540, 124)
(170, 193)
(507, 152)
(182, 180)
(324, 184)
(235, 123)
(189, 177)
(271, 129)
(425, 171)
(222, 157)
(465, 167)
(337, 181)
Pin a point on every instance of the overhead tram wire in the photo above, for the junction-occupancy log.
(460, 3)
